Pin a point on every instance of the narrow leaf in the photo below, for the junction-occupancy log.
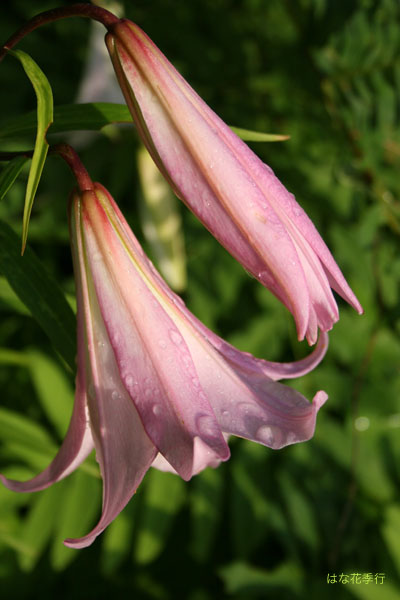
(96, 115)
(165, 494)
(258, 136)
(10, 173)
(78, 506)
(206, 510)
(44, 119)
(38, 527)
(70, 117)
(16, 430)
(53, 389)
(39, 292)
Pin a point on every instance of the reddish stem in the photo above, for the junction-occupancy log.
(75, 10)
(66, 152)
(75, 164)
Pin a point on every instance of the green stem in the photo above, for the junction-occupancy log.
(75, 10)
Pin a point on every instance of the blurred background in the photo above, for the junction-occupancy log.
(267, 524)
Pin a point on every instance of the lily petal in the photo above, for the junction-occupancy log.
(160, 378)
(240, 388)
(235, 195)
(76, 446)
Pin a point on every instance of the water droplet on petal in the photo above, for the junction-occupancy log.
(176, 337)
(115, 395)
(162, 343)
(207, 425)
(244, 406)
(157, 410)
(291, 437)
(269, 435)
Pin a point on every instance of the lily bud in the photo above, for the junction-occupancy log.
(235, 195)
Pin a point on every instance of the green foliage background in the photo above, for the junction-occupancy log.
(266, 524)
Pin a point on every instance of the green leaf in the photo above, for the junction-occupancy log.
(251, 510)
(257, 136)
(80, 502)
(164, 494)
(299, 511)
(13, 357)
(391, 532)
(39, 292)
(117, 539)
(206, 500)
(44, 119)
(242, 578)
(96, 115)
(53, 389)
(39, 524)
(16, 429)
(71, 117)
(10, 299)
(10, 173)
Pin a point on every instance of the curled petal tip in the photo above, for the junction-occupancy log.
(319, 399)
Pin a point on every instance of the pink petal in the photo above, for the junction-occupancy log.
(245, 401)
(123, 448)
(226, 185)
(238, 386)
(160, 378)
(76, 446)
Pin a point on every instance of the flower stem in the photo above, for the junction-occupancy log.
(75, 10)
(66, 152)
(72, 159)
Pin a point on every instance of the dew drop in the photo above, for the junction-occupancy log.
(115, 395)
(269, 435)
(206, 425)
(291, 438)
(129, 382)
(157, 410)
(175, 337)
(162, 343)
(244, 406)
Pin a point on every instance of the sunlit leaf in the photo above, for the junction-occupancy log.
(164, 494)
(257, 136)
(96, 115)
(10, 172)
(206, 501)
(249, 581)
(54, 390)
(78, 506)
(44, 97)
(38, 525)
(39, 292)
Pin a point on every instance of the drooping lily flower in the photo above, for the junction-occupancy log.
(236, 196)
(154, 385)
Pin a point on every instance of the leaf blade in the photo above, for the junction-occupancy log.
(44, 97)
(39, 292)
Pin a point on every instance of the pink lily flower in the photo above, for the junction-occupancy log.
(154, 386)
(235, 195)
